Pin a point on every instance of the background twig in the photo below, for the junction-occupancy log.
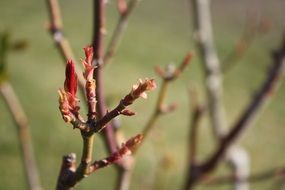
(21, 121)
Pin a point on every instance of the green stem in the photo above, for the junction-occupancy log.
(86, 158)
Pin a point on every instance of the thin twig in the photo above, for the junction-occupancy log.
(196, 114)
(253, 28)
(167, 76)
(56, 30)
(21, 121)
(119, 31)
(275, 173)
(126, 149)
(137, 91)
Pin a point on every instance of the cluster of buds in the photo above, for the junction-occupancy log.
(69, 103)
(139, 90)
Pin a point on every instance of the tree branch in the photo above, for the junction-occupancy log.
(278, 172)
(126, 149)
(98, 34)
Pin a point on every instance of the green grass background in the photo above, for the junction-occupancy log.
(159, 33)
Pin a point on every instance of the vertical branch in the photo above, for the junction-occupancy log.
(196, 115)
(157, 112)
(125, 174)
(20, 119)
(213, 79)
(213, 75)
(192, 170)
(98, 35)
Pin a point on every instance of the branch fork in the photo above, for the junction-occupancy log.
(69, 108)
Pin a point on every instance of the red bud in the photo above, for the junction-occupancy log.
(70, 83)
(122, 6)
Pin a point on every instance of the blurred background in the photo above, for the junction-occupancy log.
(159, 33)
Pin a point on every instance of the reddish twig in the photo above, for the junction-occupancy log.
(98, 35)
(126, 149)
(196, 114)
(252, 28)
(254, 178)
(168, 75)
(125, 11)
(136, 92)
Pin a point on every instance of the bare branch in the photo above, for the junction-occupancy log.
(196, 114)
(278, 172)
(98, 35)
